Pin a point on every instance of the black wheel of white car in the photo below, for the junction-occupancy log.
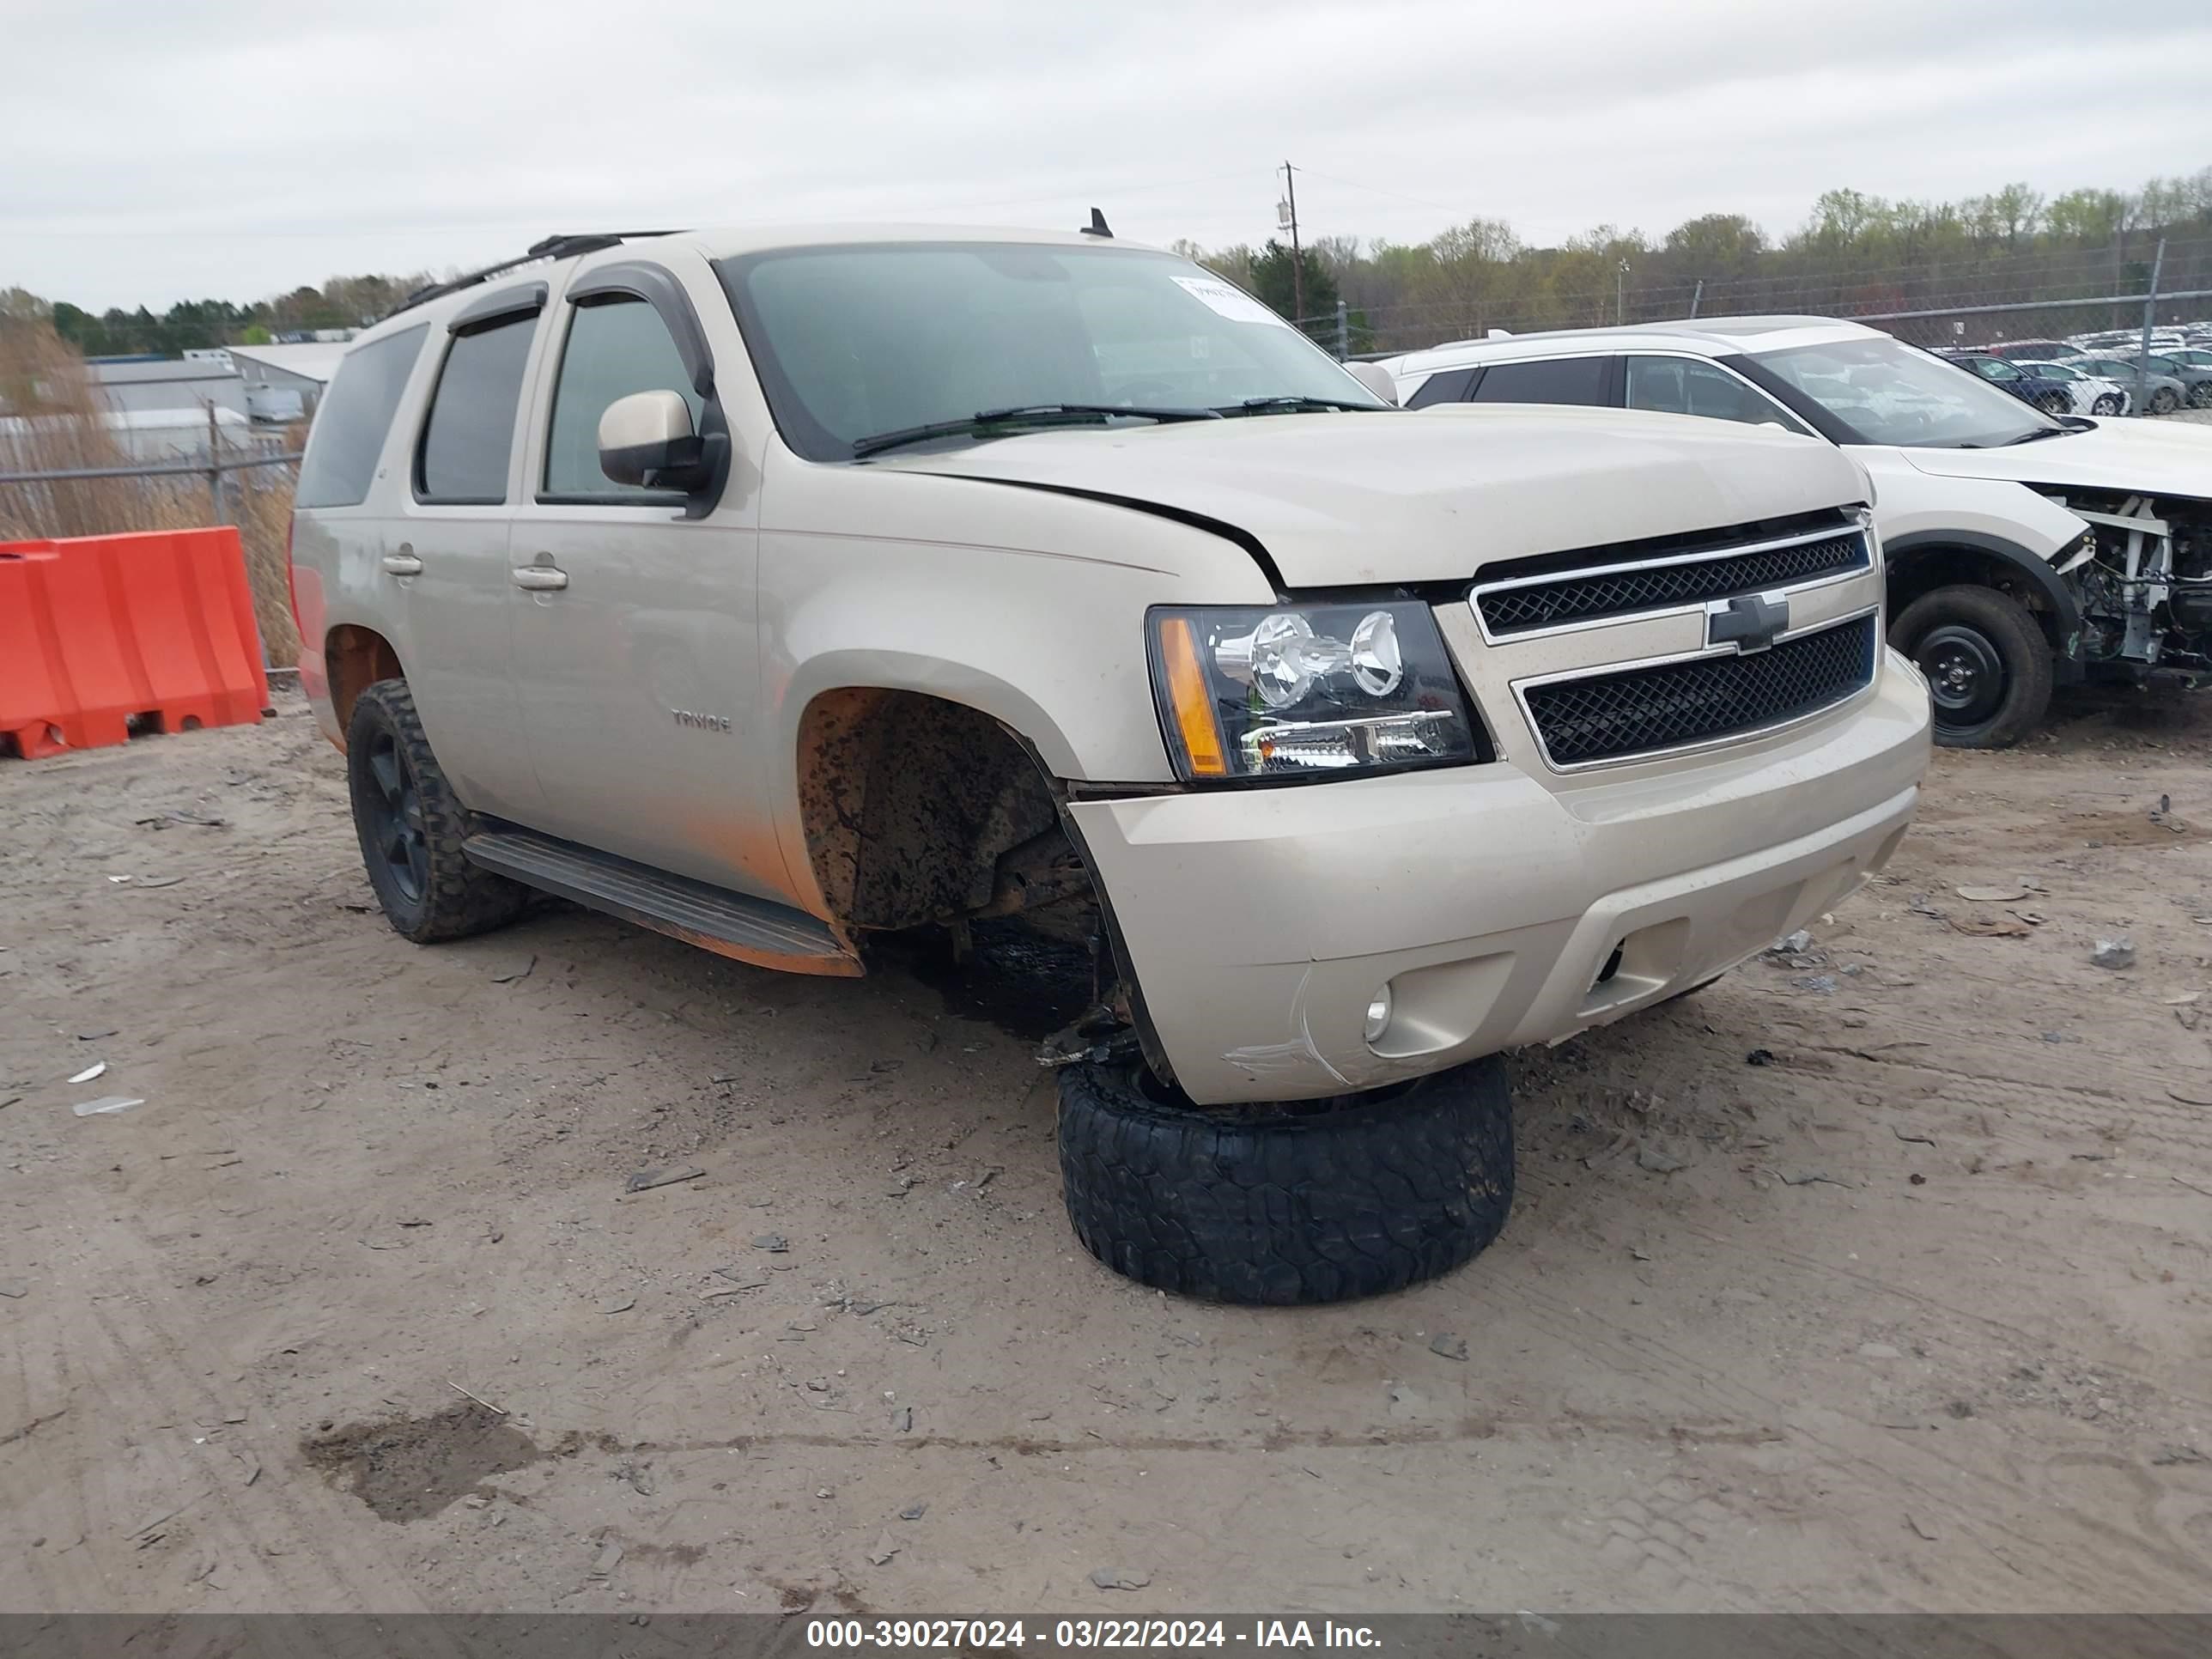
(411, 827)
(2055, 402)
(1987, 664)
(2165, 400)
(2107, 405)
(1309, 1202)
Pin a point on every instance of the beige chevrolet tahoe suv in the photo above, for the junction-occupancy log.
(782, 590)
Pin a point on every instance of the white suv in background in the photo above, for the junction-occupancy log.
(2022, 547)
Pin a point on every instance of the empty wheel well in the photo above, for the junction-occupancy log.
(1924, 569)
(912, 806)
(355, 659)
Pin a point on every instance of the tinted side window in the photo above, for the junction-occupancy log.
(349, 427)
(471, 432)
(1446, 387)
(1685, 386)
(613, 350)
(1562, 380)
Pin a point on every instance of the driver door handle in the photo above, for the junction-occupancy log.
(540, 578)
(403, 562)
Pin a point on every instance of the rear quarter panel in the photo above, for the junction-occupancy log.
(338, 556)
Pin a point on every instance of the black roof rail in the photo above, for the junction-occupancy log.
(565, 247)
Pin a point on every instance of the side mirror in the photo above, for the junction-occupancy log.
(648, 439)
(1376, 378)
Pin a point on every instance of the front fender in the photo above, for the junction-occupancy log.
(1025, 605)
(2036, 572)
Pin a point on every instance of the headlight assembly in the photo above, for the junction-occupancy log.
(1324, 689)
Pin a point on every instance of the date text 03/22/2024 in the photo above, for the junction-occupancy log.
(1086, 1633)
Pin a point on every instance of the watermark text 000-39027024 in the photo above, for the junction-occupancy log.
(961, 1635)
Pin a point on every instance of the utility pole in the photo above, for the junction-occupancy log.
(2150, 307)
(1289, 219)
(1620, 294)
(1696, 295)
(216, 514)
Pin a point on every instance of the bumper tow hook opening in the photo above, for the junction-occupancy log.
(1612, 967)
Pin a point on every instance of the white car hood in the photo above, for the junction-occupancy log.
(2148, 458)
(1406, 497)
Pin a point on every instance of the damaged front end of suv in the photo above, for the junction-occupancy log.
(2142, 573)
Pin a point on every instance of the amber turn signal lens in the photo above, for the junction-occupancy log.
(1194, 706)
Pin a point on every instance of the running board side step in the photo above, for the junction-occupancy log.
(736, 925)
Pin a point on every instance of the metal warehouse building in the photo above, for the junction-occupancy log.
(285, 382)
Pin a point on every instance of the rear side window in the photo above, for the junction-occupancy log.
(355, 413)
(471, 432)
(614, 349)
(1685, 386)
(1446, 387)
(1561, 380)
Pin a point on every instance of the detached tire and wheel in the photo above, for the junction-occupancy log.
(1304, 1202)
(412, 827)
(1987, 662)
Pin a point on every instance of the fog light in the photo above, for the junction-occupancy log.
(1378, 1015)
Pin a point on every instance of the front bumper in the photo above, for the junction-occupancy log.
(1260, 923)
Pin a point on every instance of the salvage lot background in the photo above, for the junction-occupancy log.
(1915, 1314)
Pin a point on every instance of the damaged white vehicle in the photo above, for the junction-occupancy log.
(2024, 548)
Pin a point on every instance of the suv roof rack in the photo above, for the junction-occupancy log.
(564, 247)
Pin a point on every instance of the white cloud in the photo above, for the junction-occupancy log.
(236, 148)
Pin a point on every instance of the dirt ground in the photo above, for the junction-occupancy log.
(1871, 1278)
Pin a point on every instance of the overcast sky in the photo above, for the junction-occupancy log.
(151, 152)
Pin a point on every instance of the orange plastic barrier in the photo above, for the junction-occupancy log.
(100, 633)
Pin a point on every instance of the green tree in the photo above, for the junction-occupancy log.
(1273, 283)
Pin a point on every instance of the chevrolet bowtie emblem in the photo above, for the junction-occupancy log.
(1750, 622)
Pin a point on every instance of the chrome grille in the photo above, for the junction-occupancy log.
(1679, 705)
(1591, 595)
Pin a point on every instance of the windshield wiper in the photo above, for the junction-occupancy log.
(2040, 432)
(1293, 404)
(1025, 414)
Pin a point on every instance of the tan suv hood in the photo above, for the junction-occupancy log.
(1406, 497)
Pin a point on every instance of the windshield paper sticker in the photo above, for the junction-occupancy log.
(1224, 301)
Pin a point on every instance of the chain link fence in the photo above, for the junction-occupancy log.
(1960, 301)
(246, 484)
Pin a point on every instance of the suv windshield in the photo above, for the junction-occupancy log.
(1878, 392)
(857, 340)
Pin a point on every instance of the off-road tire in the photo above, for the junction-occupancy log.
(452, 898)
(2165, 400)
(2007, 686)
(1306, 1202)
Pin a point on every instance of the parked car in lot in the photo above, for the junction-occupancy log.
(2026, 381)
(784, 591)
(2089, 394)
(2020, 546)
(2161, 393)
(2029, 351)
(2196, 381)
